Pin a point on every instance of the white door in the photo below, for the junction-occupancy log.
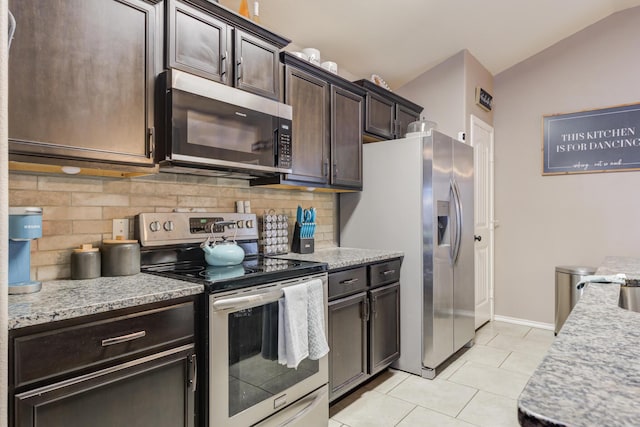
(482, 141)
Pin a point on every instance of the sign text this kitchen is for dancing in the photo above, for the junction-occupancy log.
(592, 141)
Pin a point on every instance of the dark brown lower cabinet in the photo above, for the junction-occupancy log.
(133, 367)
(384, 327)
(364, 324)
(347, 343)
(146, 392)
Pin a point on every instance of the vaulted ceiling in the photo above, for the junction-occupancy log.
(400, 39)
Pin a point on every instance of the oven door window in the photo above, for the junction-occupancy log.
(212, 129)
(254, 371)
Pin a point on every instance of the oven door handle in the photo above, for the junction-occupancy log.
(310, 407)
(240, 303)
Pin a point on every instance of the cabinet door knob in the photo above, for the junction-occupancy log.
(477, 238)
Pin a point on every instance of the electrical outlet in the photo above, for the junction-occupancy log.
(121, 228)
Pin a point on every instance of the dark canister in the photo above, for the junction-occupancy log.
(85, 263)
(120, 257)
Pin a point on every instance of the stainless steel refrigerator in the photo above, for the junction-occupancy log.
(418, 198)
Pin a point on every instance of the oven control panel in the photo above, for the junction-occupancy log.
(172, 228)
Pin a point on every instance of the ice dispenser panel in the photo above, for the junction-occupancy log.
(442, 210)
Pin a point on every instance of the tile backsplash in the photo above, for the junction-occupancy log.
(79, 210)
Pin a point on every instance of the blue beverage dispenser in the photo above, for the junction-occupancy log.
(25, 224)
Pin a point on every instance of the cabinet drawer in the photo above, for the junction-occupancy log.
(347, 282)
(385, 272)
(64, 350)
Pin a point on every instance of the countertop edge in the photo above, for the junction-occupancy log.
(605, 371)
(94, 296)
(341, 257)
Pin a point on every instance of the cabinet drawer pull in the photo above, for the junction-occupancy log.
(349, 281)
(123, 338)
(386, 273)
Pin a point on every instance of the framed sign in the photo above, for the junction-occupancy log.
(605, 140)
(483, 98)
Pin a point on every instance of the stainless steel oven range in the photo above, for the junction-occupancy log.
(241, 382)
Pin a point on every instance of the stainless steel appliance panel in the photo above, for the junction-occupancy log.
(463, 266)
(207, 126)
(310, 411)
(246, 381)
(438, 315)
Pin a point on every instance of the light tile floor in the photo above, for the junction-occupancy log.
(480, 388)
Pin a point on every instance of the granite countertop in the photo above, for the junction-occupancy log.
(344, 257)
(591, 374)
(66, 299)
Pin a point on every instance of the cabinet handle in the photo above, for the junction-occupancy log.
(240, 73)
(123, 338)
(193, 372)
(152, 141)
(373, 307)
(366, 311)
(335, 170)
(386, 273)
(349, 281)
(223, 73)
(326, 167)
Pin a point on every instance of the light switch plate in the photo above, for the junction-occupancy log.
(121, 228)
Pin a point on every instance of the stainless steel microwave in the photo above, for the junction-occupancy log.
(208, 128)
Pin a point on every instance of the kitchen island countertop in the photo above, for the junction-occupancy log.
(591, 374)
(66, 299)
(337, 258)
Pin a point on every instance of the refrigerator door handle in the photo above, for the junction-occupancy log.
(453, 230)
(459, 224)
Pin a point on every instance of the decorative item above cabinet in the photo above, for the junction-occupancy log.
(211, 41)
(386, 113)
(327, 129)
(81, 76)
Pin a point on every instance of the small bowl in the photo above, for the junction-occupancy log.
(301, 55)
(313, 54)
(330, 66)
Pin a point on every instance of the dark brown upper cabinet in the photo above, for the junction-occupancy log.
(386, 113)
(327, 129)
(81, 79)
(210, 41)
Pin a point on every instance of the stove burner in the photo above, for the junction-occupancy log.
(225, 272)
(188, 269)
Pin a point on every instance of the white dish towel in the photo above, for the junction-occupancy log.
(301, 331)
(293, 335)
(318, 346)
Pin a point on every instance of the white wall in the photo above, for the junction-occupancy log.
(545, 221)
(441, 92)
(447, 92)
(476, 75)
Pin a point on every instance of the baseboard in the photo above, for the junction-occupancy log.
(525, 322)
